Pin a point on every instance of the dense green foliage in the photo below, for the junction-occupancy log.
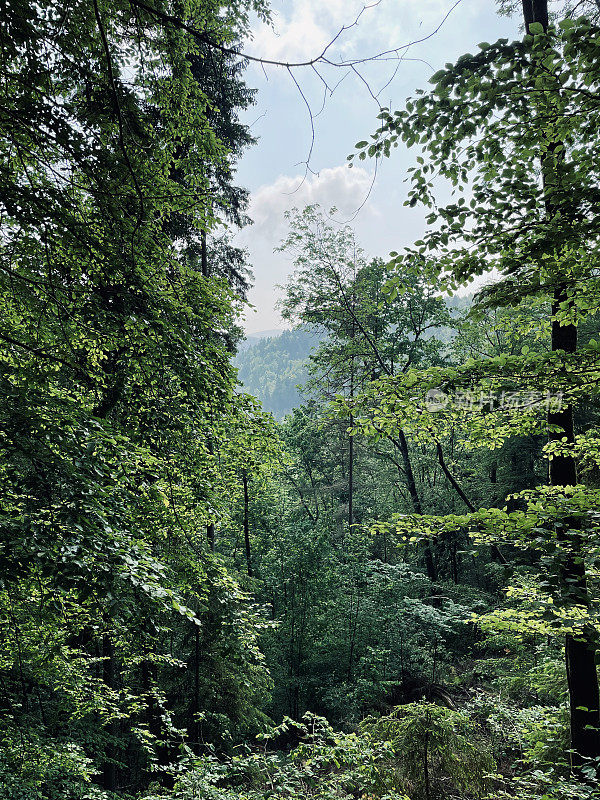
(115, 371)
(390, 592)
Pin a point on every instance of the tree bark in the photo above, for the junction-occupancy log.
(203, 254)
(416, 501)
(156, 728)
(210, 535)
(351, 456)
(410, 476)
(210, 528)
(580, 651)
(109, 770)
(194, 722)
(247, 524)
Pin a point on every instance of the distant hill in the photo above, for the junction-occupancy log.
(459, 302)
(254, 338)
(271, 367)
(456, 305)
(272, 363)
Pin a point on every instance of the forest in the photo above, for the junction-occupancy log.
(389, 587)
(275, 368)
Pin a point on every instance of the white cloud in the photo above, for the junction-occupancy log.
(342, 187)
(303, 28)
(339, 187)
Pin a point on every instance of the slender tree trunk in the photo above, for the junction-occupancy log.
(453, 482)
(353, 631)
(109, 770)
(416, 502)
(210, 528)
(426, 763)
(203, 255)
(410, 476)
(454, 560)
(247, 524)
(494, 481)
(156, 727)
(351, 456)
(580, 651)
(194, 728)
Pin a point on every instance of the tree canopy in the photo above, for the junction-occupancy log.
(388, 587)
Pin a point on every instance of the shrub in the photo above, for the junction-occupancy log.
(438, 751)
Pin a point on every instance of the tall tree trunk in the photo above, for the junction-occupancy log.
(352, 633)
(580, 651)
(203, 255)
(416, 501)
(410, 476)
(109, 770)
(156, 727)
(210, 528)
(210, 535)
(351, 455)
(247, 524)
(194, 728)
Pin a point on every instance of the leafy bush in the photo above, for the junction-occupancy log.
(32, 768)
(539, 785)
(536, 737)
(421, 750)
(438, 750)
(323, 765)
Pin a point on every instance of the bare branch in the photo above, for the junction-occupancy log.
(321, 58)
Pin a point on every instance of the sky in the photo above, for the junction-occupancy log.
(275, 170)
